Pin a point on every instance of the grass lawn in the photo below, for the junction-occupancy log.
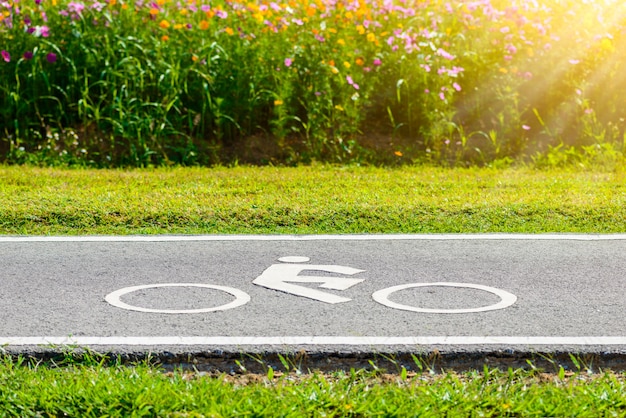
(309, 200)
(94, 390)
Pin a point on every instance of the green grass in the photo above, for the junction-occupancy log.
(96, 390)
(309, 200)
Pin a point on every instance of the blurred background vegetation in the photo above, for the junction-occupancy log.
(459, 83)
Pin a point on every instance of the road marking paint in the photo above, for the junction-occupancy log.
(507, 299)
(360, 237)
(241, 298)
(282, 276)
(314, 340)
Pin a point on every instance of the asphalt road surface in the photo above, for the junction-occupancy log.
(330, 297)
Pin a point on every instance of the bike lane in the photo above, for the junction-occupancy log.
(347, 292)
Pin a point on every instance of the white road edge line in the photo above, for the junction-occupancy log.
(313, 340)
(351, 237)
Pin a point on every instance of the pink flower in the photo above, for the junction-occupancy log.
(75, 7)
(351, 82)
(288, 62)
(51, 57)
(28, 55)
(574, 62)
(42, 31)
(526, 127)
(445, 54)
(455, 71)
(377, 61)
(97, 6)
(456, 86)
(5, 56)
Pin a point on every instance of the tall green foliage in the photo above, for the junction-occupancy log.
(163, 82)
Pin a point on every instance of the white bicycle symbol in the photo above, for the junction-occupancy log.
(282, 276)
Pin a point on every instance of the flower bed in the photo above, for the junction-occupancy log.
(138, 83)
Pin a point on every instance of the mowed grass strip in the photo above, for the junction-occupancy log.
(309, 200)
(95, 391)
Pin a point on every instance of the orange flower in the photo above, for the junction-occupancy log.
(164, 24)
(154, 11)
(229, 30)
(165, 38)
(204, 24)
(359, 61)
